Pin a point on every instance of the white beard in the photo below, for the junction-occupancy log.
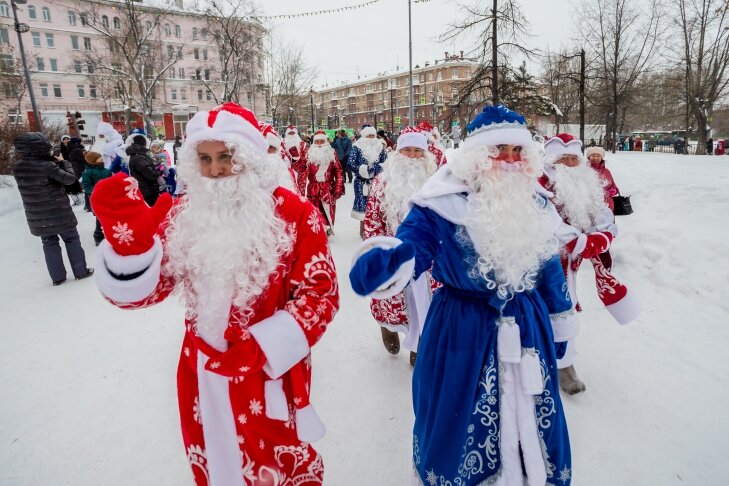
(578, 194)
(292, 141)
(371, 149)
(510, 230)
(403, 177)
(281, 168)
(223, 244)
(320, 154)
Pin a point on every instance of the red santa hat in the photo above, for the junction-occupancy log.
(226, 123)
(427, 130)
(292, 128)
(270, 134)
(563, 144)
(320, 135)
(412, 137)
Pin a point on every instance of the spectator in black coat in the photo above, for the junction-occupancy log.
(41, 179)
(343, 145)
(141, 167)
(176, 147)
(75, 154)
(64, 146)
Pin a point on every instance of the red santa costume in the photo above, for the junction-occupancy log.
(279, 157)
(434, 146)
(297, 149)
(387, 206)
(587, 230)
(325, 179)
(252, 263)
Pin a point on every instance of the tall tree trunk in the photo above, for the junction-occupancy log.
(494, 57)
(701, 119)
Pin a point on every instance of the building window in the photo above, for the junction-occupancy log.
(44, 90)
(46, 14)
(209, 95)
(196, 53)
(168, 30)
(198, 73)
(90, 67)
(173, 94)
(71, 17)
(4, 36)
(207, 74)
(181, 73)
(92, 91)
(170, 51)
(50, 41)
(117, 92)
(87, 43)
(6, 62)
(57, 91)
(148, 25)
(54, 64)
(31, 12)
(199, 95)
(81, 90)
(178, 31)
(117, 23)
(74, 42)
(77, 66)
(105, 21)
(4, 9)
(183, 94)
(194, 33)
(205, 54)
(40, 64)
(204, 33)
(171, 73)
(36, 39)
(454, 73)
(10, 89)
(84, 18)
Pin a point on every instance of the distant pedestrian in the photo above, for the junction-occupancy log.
(176, 147)
(141, 167)
(343, 146)
(40, 178)
(710, 146)
(94, 172)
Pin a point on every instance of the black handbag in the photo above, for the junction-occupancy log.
(622, 205)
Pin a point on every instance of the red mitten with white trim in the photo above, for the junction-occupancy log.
(590, 245)
(129, 224)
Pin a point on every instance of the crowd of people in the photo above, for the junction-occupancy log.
(474, 260)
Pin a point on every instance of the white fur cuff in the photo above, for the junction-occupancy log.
(626, 309)
(276, 405)
(579, 245)
(400, 279)
(565, 325)
(363, 172)
(109, 262)
(508, 340)
(309, 427)
(282, 341)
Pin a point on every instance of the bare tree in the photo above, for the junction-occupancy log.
(558, 76)
(620, 36)
(13, 86)
(704, 29)
(134, 53)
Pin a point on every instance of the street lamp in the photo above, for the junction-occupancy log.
(20, 29)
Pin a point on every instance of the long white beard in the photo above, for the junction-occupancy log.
(578, 194)
(508, 226)
(223, 244)
(320, 154)
(371, 149)
(403, 177)
(281, 168)
(292, 141)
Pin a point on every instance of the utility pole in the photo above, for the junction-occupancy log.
(20, 29)
(582, 98)
(411, 117)
(494, 57)
(313, 120)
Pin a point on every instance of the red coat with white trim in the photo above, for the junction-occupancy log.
(391, 311)
(299, 164)
(325, 187)
(286, 320)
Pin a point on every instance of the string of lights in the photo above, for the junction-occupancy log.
(317, 12)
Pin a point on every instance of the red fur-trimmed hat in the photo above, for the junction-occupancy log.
(563, 144)
(320, 135)
(225, 123)
(270, 134)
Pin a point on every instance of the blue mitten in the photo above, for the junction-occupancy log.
(379, 267)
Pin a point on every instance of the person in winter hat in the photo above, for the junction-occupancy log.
(252, 263)
(93, 173)
(404, 173)
(40, 179)
(365, 160)
(161, 163)
(143, 169)
(596, 157)
(297, 149)
(587, 230)
(75, 155)
(325, 179)
(487, 358)
(279, 157)
(434, 145)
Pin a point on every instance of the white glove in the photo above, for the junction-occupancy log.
(363, 171)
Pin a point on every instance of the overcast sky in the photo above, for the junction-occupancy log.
(373, 39)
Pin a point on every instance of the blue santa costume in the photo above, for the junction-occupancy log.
(485, 391)
(366, 164)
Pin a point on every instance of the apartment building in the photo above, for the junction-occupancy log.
(64, 33)
(383, 101)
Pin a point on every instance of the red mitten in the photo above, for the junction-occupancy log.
(128, 223)
(244, 357)
(596, 243)
(294, 152)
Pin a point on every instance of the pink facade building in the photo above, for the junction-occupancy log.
(69, 39)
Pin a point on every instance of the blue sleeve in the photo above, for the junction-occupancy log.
(115, 165)
(353, 160)
(420, 228)
(552, 287)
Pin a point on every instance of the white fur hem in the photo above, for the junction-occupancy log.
(363, 171)
(309, 427)
(565, 326)
(357, 215)
(128, 291)
(277, 407)
(400, 279)
(579, 245)
(282, 341)
(508, 340)
(626, 309)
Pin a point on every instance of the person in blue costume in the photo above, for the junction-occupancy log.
(485, 390)
(365, 159)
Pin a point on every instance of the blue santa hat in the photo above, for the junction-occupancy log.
(497, 125)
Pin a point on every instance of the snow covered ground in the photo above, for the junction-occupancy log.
(88, 390)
